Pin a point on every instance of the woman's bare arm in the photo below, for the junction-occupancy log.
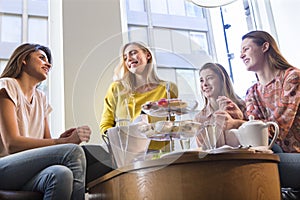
(10, 134)
(47, 134)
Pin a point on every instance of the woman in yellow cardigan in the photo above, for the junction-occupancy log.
(135, 83)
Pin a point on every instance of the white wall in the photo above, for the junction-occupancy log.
(92, 38)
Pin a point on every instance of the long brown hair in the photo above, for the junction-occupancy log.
(126, 78)
(15, 64)
(274, 56)
(226, 83)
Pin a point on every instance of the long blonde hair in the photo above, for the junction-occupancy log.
(126, 78)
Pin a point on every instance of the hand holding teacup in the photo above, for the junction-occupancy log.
(84, 133)
(75, 135)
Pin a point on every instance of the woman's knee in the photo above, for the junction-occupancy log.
(73, 153)
(79, 155)
(56, 181)
(76, 149)
(60, 174)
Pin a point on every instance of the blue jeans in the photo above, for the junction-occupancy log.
(289, 170)
(57, 171)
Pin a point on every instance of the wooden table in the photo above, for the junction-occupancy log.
(241, 176)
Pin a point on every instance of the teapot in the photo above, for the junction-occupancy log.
(255, 133)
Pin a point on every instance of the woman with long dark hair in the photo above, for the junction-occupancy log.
(30, 159)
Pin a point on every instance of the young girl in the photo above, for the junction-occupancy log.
(220, 101)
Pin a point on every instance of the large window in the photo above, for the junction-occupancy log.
(179, 34)
(24, 21)
(186, 36)
(21, 21)
(9, 33)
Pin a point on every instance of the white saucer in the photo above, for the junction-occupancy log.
(200, 152)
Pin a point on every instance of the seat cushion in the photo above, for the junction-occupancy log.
(20, 195)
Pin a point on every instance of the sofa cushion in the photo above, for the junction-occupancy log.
(20, 195)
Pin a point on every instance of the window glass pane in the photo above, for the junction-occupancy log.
(38, 7)
(162, 39)
(2, 65)
(187, 83)
(44, 87)
(159, 6)
(38, 30)
(199, 42)
(167, 74)
(136, 5)
(193, 11)
(137, 33)
(181, 42)
(11, 6)
(176, 7)
(11, 28)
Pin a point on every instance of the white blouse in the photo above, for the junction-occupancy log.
(30, 115)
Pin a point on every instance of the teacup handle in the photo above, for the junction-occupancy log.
(275, 134)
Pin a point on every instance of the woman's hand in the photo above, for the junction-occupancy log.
(67, 133)
(226, 104)
(76, 135)
(224, 120)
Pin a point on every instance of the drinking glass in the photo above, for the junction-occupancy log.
(122, 114)
(209, 135)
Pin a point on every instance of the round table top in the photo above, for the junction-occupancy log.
(188, 157)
